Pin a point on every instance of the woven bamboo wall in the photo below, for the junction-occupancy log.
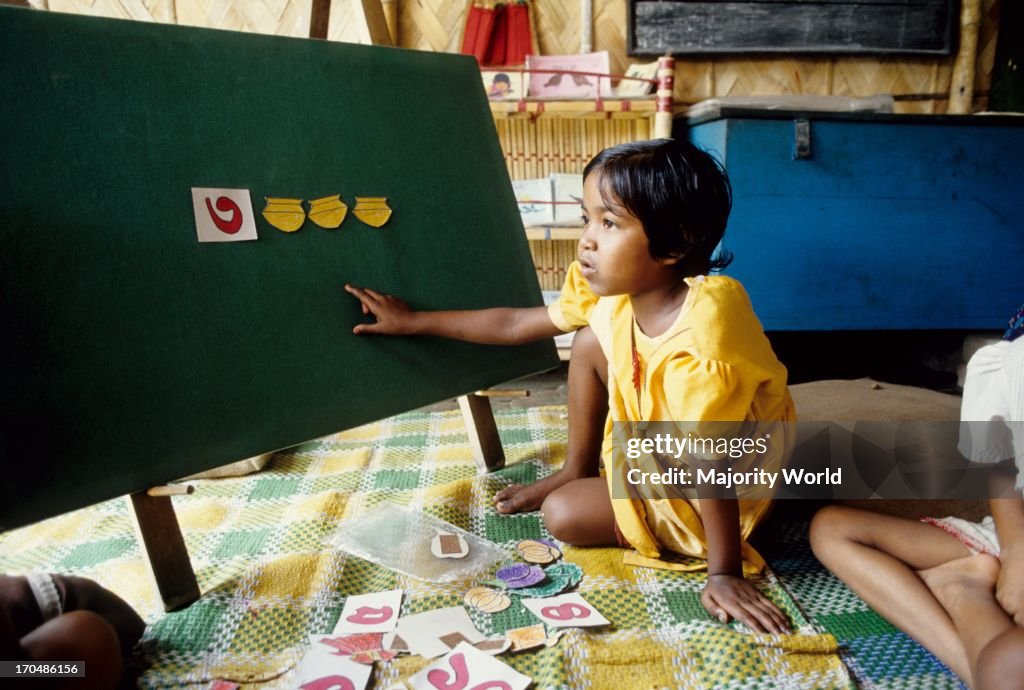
(437, 25)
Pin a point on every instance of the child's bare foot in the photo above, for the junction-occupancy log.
(522, 498)
(958, 582)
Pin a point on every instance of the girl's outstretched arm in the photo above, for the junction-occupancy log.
(728, 594)
(499, 326)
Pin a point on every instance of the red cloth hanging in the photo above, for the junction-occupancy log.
(479, 29)
(498, 44)
(472, 26)
(520, 42)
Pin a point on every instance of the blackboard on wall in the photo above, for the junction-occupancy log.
(687, 27)
(132, 354)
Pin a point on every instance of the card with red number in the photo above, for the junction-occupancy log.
(465, 668)
(377, 612)
(223, 215)
(565, 611)
(320, 669)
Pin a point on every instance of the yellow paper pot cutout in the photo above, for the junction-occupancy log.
(283, 213)
(328, 212)
(372, 210)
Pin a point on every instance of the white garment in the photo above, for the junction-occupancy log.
(992, 412)
(978, 537)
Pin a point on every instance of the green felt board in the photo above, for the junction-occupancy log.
(133, 354)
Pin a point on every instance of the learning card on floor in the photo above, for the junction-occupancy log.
(467, 667)
(433, 633)
(320, 669)
(377, 612)
(565, 611)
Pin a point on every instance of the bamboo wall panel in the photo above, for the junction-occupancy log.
(988, 35)
(282, 17)
(610, 32)
(139, 10)
(436, 25)
(431, 24)
(346, 24)
(864, 77)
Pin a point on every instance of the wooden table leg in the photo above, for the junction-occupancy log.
(160, 535)
(483, 432)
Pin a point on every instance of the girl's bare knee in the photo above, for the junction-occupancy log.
(79, 635)
(830, 526)
(1001, 663)
(558, 518)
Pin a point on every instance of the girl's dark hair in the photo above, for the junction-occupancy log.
(679, 193)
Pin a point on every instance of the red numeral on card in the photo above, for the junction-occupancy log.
(439, 678)
(565, 612)
(368, 615)
(329, 683)
(225, 205)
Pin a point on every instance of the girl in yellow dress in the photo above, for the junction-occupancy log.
(657, 338)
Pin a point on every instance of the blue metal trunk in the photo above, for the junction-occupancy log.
(889, 222)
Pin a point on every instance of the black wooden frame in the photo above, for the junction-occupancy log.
(766, 33)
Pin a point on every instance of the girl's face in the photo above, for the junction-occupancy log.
(613, 251)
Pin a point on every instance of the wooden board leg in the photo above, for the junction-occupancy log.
(483, 433)
(160, 536)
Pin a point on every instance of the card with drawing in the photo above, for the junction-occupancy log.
(569, 76)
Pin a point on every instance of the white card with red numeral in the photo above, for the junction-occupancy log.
(223, 215)
(467, 667)
(377, 612)
(565, 611)
(321, 669)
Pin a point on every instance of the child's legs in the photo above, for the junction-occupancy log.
(588, 408)
(580, 513)
(1001, 663)
(878, 556)
(966, 589)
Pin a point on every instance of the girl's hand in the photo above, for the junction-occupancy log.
(394, 317)
(731, 596)
(1010, 583)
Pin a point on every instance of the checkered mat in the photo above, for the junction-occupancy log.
(259, 548)
(878, 654)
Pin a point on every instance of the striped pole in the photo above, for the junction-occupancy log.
(663, 100)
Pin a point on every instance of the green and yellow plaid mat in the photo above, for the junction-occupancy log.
(260, 548)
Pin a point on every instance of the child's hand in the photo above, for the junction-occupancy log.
(86, 595)
(394, 317)
(731, 596)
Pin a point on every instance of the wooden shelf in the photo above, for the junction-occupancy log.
(629, 107)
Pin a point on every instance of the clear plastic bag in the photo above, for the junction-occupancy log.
(399, 538)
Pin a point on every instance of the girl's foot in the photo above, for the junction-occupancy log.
(523, 498)
(959, 582)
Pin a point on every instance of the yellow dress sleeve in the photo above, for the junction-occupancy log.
(713, 391)
(573, 308)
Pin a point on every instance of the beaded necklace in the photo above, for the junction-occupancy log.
(638, 379)
(1016, 326)
(637, 375)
